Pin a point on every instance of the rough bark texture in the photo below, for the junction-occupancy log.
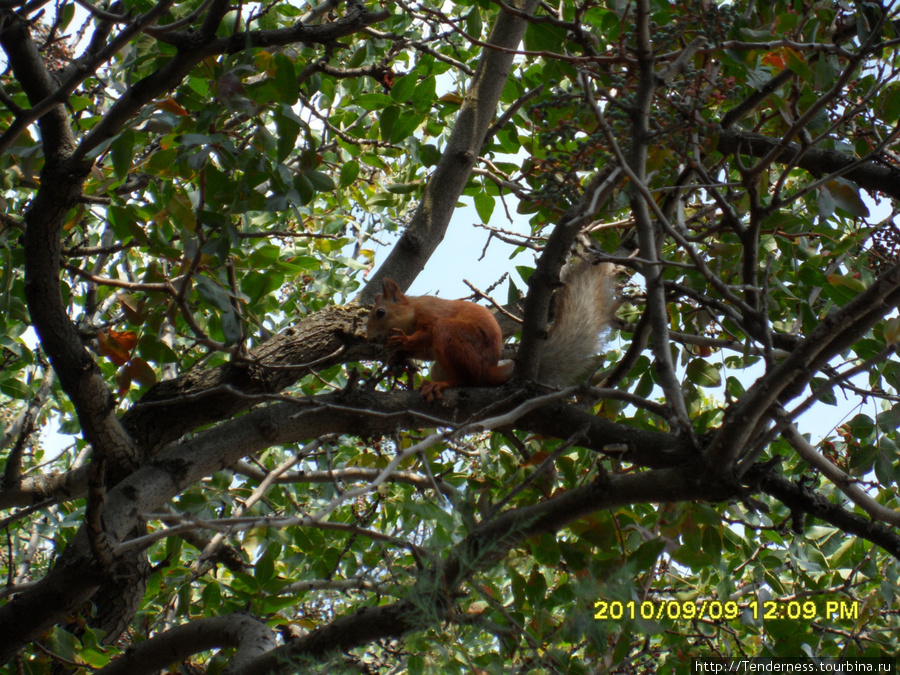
(334, 335)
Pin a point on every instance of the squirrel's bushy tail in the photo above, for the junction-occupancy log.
(585, 306)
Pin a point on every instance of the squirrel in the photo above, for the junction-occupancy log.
(465, 340)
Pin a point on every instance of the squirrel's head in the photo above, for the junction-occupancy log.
(391, 310)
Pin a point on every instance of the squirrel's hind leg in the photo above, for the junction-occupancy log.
(466, 357)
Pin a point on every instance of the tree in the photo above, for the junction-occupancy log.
(192, 197)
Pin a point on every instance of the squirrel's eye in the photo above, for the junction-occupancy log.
(380, 312)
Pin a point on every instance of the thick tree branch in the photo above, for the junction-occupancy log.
(870, 176)
(334, 335)
(251, 637)
(805, 500)
(78, 373)
(373, 414)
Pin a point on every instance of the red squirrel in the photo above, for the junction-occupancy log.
(464, 339)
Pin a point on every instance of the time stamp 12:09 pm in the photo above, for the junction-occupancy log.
(768, 610)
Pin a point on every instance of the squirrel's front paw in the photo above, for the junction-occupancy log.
(397, 339)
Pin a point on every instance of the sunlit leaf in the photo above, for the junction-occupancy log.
(484, 205)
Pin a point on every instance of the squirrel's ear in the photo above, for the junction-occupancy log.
(392, 291)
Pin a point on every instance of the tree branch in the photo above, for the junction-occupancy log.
(869, 176)
(249, 635)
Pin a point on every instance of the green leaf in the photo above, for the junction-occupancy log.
(429, 155)
(373, 101)
(15, 389)
(886, 467)
(122, 150)
(191, 140)
(11, 344)
(703, 374)
(474, 25)
(265, 256)
(861, 426)
(405, 125)
(320, 181)
(545, 37)
(358, 58)
(231, 327)
(889, 420)
(888, 104)
(386, 121)
(264, 568)
(846, 196)
(95, 658)
(213, 293)
(288, 129)
(826, 71)
(161, 161)
(404, 87)
(286, 79)
(305, 189)
(423, 98)
(854, 285)
(65, 644)
(546, 550)
(415, 664)
(256, 284)
(349, 173)
(646, 555)
(66, 15)
(403, 188)
(484, 205)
